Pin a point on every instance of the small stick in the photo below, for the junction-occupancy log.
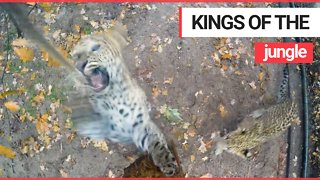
(17, 13)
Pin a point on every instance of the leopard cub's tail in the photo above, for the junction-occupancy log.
(283, 93)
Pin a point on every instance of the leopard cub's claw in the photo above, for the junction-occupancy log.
(165, 160)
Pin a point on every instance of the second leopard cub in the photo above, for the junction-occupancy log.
(116, 107)
(261, 125)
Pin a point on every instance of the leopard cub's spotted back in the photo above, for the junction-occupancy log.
(115, 107)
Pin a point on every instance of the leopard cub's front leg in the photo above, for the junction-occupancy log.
(164, 159)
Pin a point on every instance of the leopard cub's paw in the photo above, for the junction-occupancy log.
(165, 160)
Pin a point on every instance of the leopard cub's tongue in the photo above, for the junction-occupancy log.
(97, 81)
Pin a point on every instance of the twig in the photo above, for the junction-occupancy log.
(34, 6)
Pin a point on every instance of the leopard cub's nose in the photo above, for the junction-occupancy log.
(81, 65)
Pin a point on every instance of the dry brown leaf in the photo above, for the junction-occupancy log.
(33, 76)
(46, 6)
(164, 92)
(192, 158)
(38, 98)
(43, 118)
(20, 42)
(260, 76)
(252, 85)
(4, 94)
(7, 152)
(55, 127)
(202, 147)
(155, 91)
(24, 70)
(42, 125)
(238, 73)
(222, 110)
(168, 80)
(226, 56)
(63, 173)
(192, 132)
(100, 144)
(225, 67)
(25, 54)
(77, 28)
(208, 175)
(12, 106)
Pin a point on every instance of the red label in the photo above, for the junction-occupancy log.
(288, 52)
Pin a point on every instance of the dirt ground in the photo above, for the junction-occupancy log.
(212, 82)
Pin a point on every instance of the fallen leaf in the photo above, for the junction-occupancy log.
(38, 98)
(25, 54)
(77, 28)
(222, 110)
(225, 67)
(192, 158)
(155, 91)
(42, 125)
(238, 73)
(46, 6)
(43, 118)
(20, 42)
(252, 85)
(170, 114)
(164, 92)
(208, 175)
(100, 144)
(226, 56)
(168, 80)
(63, 173)
(24, 70)
(11, 92)
(202, 147)
(7, 152)
(12, 106)
(33, 76)
(260, 76)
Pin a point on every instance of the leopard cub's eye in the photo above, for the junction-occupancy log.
(95, 47)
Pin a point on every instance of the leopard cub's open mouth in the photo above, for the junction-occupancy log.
(98, 78)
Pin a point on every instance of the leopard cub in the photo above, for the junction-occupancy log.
(113, 105)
